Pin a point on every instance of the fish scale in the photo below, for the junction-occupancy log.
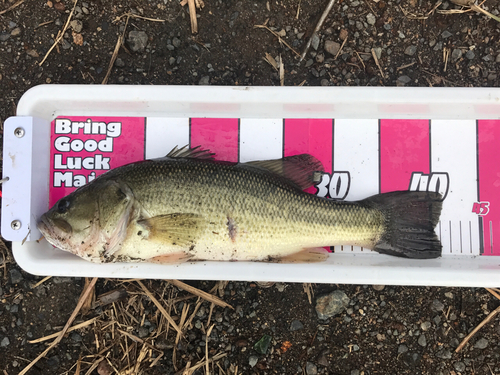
(272, 217)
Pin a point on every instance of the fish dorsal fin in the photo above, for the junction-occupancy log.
(299, 169)
(191, 153)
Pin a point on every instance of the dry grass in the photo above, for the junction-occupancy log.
(118, 314)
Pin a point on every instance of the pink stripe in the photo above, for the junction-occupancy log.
(217, 135)
(404, 149)
(310, 136)
(488, 138)
(127, 147)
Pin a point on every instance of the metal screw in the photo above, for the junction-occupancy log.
(16, 225)
(19, 132)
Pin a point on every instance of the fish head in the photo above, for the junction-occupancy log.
(91, 222)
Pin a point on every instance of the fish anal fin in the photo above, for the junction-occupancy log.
(174, 258)
(191, 153)
(299, 169)
(309, 255)
(174, 229)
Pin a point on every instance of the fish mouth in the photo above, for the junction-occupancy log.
(56, 232)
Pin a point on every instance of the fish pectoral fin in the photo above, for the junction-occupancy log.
(175, 258)
(308, 255)
(299, 169)
(174, 229)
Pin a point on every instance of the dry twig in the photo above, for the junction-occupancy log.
(79, 305)
(479, 326)
(318, 26)
(160, 307)
(200, 293)
(276, 35)
(54, 335)
(60, 35)
(12, 7)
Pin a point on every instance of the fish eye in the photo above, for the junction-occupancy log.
(63, 206)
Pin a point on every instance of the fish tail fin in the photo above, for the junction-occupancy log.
(410, 219)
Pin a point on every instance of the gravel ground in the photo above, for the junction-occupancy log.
(276, 330)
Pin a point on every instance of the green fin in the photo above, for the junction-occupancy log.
(310, 255)
(299, 169)
(191, 153)
(174, 229)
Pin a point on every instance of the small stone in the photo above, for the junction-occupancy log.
(119, 62)
(492, 77)
(488, 58)
(252, 360)
(309, 63)
(456, 54)
(331, 304)
(171, 60)
(4, 37)
(205, 80)
(15, 276)
(444, 354)
(403, 80)
(5, 342)
(497, 59)
(320, 58)
(16, 31)
(296, 325)
(422, 341)
(459, 366)
(402, 349)
(75, 337)
(12, 24)
(411, 359)
(325, 82)
(170, 47)
(438, 46)
(76, 25)
(378, 53)
(32, 53)
(311, 369)
(437, 305)
(315, 41)
(425, 325)
(387, 26)
(65, 45)
(137, 40)
(355, 372)
(482, 343)
(446, 34)
(14, 309)
(176, 42)
(143, 332)
(378, 288)
(370, 18)
(332, 47)
(53, 362)
(343, 34)
(410, 50)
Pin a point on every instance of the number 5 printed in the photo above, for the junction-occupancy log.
(481, 208)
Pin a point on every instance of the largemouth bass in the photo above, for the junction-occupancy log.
(187, 206)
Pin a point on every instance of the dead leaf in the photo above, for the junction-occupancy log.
(77, 39)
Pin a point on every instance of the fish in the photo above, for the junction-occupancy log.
(187, 206)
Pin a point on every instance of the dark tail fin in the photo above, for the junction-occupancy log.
(410, 219)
